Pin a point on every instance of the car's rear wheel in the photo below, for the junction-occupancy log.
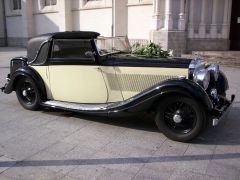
(28, 94)
(180, 118)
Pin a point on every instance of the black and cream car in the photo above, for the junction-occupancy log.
(83, 72)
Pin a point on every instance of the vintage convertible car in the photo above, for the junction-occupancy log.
(83, 72)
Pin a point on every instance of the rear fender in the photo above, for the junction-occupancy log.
(29, 73)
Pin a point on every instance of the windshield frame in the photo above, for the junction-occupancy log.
(111, 53)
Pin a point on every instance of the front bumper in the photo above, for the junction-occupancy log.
(6, 84)
(222, 112)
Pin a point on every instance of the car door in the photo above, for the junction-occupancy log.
(74, 76)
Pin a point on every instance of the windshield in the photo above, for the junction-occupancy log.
(111, 45)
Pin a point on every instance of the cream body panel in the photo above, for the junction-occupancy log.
(133, 80)
(114, 93)
(44, 73)
(79, 84)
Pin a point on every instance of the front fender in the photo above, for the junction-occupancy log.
(147, 99)
(29, 73)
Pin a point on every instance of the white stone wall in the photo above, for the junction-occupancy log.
(45, 19)
(46, 23)
(99, 20)
(139, 21)
(92, 16)
(13, 25)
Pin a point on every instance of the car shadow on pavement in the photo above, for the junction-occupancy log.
(226, 133)
(143, 121)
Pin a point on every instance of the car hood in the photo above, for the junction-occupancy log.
(130, 60)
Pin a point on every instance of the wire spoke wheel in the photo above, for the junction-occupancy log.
(183, 111)
(27, 94)
(180, 118)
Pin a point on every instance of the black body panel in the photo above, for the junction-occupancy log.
(131, 61)
(26, 71)
(70, 61)
(35, 43)
(146, 100)
(16, 63)
(222, 84)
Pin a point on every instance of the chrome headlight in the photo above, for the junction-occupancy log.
(214, 69)
(202, 77)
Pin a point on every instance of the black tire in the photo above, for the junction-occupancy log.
(28, 94)
(180, 118)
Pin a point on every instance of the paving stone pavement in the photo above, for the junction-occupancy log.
(52, 144)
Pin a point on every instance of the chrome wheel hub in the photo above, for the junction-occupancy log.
(24, 93)
(177, 118)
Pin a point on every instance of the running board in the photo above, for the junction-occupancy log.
(76, 106)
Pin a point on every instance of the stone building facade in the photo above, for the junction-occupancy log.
(180, 25)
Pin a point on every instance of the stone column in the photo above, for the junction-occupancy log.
(82, 3)
(65, 15)
(120, 17)
(27, 20)
(168, 22)
(191, 20)
(157, 23)
(202, 26)
(213, 30)
(226, 23)
(167, 37)
(229, 11)
(2, 25)
(181, 20)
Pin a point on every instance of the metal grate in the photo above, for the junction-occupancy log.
(135, 82)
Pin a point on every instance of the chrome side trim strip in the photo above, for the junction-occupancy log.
(76, 106)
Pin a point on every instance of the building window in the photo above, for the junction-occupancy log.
(91, 4)
(16, 5)
(50, 2)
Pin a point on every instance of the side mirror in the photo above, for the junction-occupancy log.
(89, 54)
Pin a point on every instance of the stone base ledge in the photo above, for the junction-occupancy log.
(219, 54)
(226, 58)
(170, 40)
(207, 45)
(2, 42)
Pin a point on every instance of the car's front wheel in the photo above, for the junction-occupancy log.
(180, 118)
(28, 94)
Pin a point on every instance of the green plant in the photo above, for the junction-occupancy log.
(149, 50)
